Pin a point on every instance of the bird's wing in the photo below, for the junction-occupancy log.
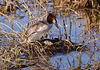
(35, 28)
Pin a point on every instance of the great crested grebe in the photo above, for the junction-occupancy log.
(37, 30)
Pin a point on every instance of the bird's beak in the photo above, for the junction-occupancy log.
(56, 24)
(58, 28)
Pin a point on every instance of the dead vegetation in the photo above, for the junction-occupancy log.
(17, 55)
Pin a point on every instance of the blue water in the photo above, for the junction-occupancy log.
(75, 37)
(71, 59)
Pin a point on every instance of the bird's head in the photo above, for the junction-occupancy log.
(52, 19)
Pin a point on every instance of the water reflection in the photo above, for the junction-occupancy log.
(64, 61)
(83, 30)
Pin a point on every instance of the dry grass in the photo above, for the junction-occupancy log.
(15, 55)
